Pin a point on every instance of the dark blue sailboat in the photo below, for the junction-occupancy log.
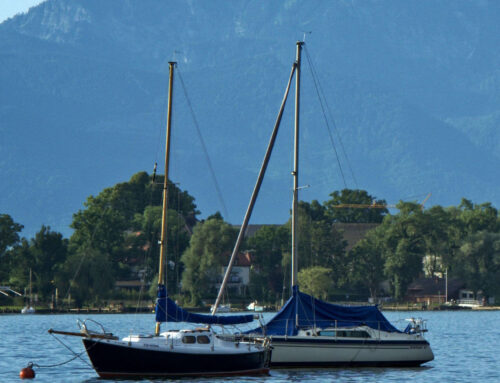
(188, 352)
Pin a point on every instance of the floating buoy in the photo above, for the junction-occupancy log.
(27, 372)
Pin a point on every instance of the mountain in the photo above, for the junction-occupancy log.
(413, 89)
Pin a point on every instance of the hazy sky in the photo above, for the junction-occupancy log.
(9, 8)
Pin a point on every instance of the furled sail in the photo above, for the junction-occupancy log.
(168, 311)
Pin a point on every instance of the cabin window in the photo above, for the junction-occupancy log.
(327, 333)
(189, 339)
(203, 339)
(345, 333)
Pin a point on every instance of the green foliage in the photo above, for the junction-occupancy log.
(48, 250)
(318, 243)
(317, 281)
(479, 262)
(404, 246)
(123, 224)
(9, 237)
(412, 242)
(205, 257)
(267, 276)
(44, 255)
(354, 214)
(117, 234)
(366, 263)
(20, 260)
(87, 276)
(9, 232)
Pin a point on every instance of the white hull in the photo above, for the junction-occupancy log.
(28, 310)
(353, 346)
(304, 351)
(222, 309)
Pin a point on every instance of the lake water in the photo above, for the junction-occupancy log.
(466, 346)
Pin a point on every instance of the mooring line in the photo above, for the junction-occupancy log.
(76, 355)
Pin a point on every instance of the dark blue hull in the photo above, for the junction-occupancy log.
(119, 361)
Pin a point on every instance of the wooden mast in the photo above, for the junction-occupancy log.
(163, 240)
(295, 172)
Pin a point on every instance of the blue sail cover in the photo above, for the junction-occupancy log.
(168, 311)
(304, 311)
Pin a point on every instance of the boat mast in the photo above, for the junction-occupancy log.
(255, 193)
(295, 172)
(31, 291)
(163, 239)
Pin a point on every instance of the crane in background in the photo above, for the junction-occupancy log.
(374, 205)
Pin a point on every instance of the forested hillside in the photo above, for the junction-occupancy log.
(413, 87)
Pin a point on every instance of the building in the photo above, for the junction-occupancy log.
(240, 273)
(353, 232)
(434, 290)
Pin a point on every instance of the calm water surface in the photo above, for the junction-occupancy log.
(466, 346)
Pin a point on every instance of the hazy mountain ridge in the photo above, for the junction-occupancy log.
(409, 84)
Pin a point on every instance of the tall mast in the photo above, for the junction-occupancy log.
(31, 291)
(295, 172)
(163, 240)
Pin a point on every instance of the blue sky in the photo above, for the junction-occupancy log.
(9, 8)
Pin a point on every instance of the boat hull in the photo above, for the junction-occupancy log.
(121, 361)
(301, 352)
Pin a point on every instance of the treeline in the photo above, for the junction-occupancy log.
(116, 238)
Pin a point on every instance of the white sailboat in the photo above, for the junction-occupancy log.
(175, 353)
(254, 306)
(309, 332)
(29, 309)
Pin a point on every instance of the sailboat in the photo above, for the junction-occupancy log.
(175, 353)
(308, 332)
(29, 309)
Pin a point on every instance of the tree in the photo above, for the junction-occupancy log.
(478, 217)
(319, 244)
(9, 232)
(439, 236)
(267, 247)
(123, 223)
(48, 252)
(9, 237)
(179, 200)
(366, 263)
(20, 261)
(479, 262)
(354, 214)
(404, 246)
(87, 275)
(145, 243)
(206, 256)
(316, 281)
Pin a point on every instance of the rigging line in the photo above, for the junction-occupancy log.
(323, 97)
(76, 355)
(205, 151)
(326, 119)
(336, 130)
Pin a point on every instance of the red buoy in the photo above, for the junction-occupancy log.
(27, 372)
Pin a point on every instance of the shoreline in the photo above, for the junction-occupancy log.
(130, 310)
